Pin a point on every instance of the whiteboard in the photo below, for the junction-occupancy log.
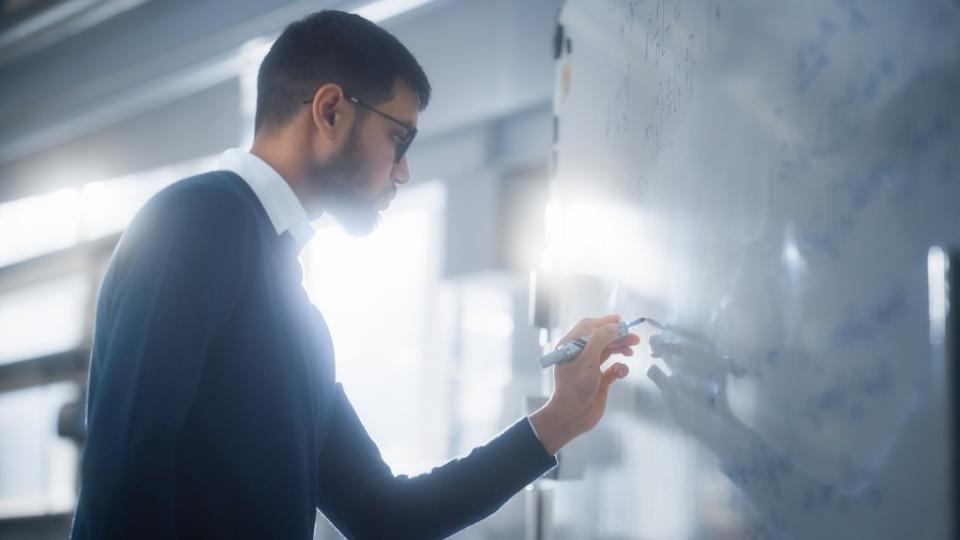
(767, 178)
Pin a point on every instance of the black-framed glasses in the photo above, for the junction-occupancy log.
(401, 145)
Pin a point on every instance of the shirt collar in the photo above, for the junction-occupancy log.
(282, 206)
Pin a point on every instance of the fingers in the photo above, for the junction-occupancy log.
(628, 340)
(612, 373)
(600, 339)
(623, 345)
(587, 326)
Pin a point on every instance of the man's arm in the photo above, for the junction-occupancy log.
(363, 499)
(172, 282)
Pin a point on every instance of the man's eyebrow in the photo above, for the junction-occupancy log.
(407, 124)
(406, 121)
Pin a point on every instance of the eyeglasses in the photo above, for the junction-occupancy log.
(401, 145)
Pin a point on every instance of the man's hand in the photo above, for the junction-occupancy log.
(580, 386)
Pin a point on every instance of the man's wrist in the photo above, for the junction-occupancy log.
(552, 429)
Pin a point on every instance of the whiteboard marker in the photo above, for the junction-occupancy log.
(568, 351)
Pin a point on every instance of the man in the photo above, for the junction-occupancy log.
(213, 410)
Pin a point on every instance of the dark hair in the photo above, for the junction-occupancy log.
(333, 47)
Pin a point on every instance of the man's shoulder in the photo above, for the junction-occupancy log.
(215, 207)
(207, 191)
(212, 197)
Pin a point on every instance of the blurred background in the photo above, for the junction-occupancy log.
(104, 102)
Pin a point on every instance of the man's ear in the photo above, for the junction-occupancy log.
(328, 110)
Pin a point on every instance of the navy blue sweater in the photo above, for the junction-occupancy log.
(213, 410)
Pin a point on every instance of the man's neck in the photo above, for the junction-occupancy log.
(285, 160)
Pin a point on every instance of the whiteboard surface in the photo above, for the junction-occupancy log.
(767, 177)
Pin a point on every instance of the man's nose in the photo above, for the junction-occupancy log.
(400, 173)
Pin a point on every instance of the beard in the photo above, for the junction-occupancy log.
(343, 185)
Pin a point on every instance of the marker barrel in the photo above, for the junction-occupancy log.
(565, 353)
(570, 350)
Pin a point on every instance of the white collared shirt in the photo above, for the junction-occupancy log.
(282, 206)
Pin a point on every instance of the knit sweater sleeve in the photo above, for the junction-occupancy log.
(363, 499)
(169, 288)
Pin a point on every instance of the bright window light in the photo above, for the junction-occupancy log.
(609, 240)
(37, 468)
(32, 226)
(377, 295)
(42, 319)
(486, 337)
(35, 225)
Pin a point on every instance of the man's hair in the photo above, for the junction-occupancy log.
(333, 47)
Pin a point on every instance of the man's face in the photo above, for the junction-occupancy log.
(362, 179)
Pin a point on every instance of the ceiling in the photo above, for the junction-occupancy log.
(141, 74)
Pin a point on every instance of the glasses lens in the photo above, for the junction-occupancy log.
(402, 148)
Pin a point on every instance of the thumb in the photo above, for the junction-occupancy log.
(614, 372)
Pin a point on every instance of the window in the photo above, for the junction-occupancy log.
(377, 294)
(37, 468)
(43, 318)
(32, 226)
